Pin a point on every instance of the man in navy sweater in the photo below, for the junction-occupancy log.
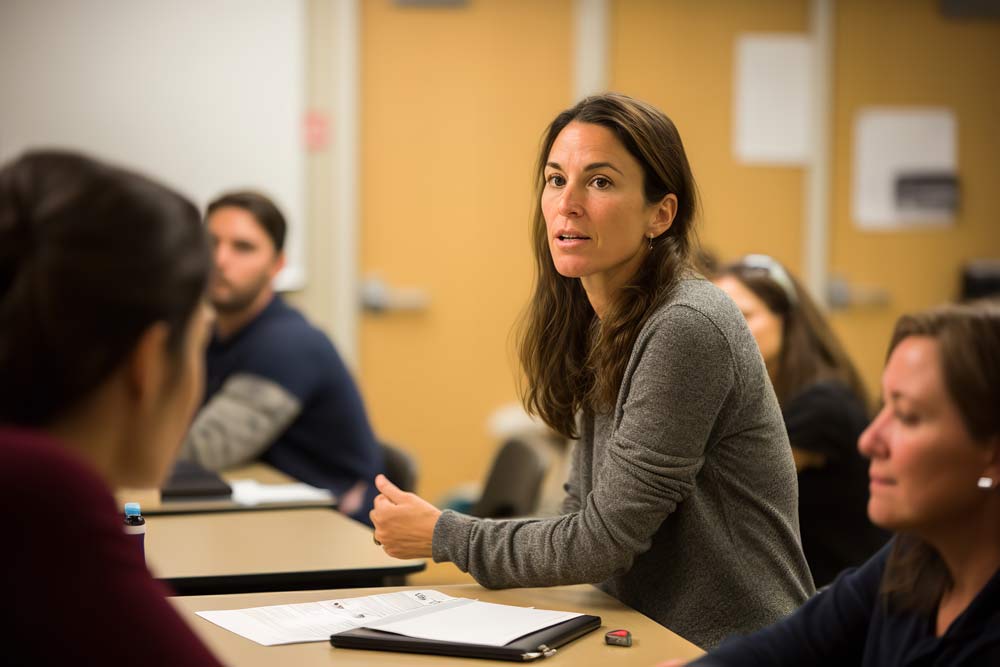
(275, 387)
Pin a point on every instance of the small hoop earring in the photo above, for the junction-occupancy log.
(986, 483)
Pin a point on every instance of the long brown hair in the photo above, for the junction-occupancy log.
(573, 362)
(810, 351)
(968, 337)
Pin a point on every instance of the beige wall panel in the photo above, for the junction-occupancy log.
(903, 52)
(454, 101)
(317, 298)
(678, 55)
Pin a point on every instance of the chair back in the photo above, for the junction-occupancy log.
(400, 467)
(515, 480)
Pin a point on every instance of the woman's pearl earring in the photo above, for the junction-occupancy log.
(986, 483)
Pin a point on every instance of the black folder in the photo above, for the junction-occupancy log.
(541, 644)
(190, 481)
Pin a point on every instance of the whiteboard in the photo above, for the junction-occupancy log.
(204, 96)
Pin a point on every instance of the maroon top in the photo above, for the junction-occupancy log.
(81, 593)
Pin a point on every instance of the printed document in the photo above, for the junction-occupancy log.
(465, 621)
(316, 621)
(424, 614)
(250, 492)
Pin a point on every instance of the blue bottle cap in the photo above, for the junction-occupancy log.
(132, 509)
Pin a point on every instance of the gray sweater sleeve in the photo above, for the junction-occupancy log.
(680, 373)
(240, 422)
(571, 503)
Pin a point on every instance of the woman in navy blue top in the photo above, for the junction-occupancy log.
(932, 596)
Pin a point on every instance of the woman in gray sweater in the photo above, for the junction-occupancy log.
(681, 501)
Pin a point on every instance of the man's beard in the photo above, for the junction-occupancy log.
(239, 300)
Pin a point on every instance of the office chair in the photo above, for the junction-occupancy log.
(515, 481)
(400, 467)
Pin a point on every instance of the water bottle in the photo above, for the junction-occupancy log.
(135, 526)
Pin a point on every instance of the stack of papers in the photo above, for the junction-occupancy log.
(251, 492)
(316, 621)
(425, 614)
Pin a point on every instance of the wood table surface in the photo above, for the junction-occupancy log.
(153, 504)
(652, 642)
(239, 552)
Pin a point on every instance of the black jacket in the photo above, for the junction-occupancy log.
(847, 624)
(827, 418)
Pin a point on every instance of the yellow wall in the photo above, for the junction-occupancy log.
(454, 101)
(679, 56)
(901, 52)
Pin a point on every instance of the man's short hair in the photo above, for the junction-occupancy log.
(264, 211)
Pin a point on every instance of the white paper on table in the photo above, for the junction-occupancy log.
(252, 492)
(465, 621)
(316, 621)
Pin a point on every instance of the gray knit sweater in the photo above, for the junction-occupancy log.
(682, 501)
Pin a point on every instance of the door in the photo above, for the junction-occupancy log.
(453, 104)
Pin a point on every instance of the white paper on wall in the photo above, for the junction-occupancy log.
(772, 102)
(904, 168)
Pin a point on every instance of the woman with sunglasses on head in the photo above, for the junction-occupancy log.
(932, 596)
(681, 500)
(102, 335)
(823, 403)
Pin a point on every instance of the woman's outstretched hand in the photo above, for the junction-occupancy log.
(404, 522)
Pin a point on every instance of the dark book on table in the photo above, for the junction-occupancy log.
(541, 644)
(190, 481)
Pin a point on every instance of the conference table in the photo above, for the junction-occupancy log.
(652, 642)
(209, 553)
(153, 504)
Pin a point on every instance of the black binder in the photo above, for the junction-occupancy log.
(541, 644)
(190, 481)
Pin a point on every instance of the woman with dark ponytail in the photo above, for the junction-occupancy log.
(682, 498)
(102, 329)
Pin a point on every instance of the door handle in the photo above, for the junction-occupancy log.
(842, 294)
(379, 297)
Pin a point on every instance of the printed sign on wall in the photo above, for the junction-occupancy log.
(905, 168)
